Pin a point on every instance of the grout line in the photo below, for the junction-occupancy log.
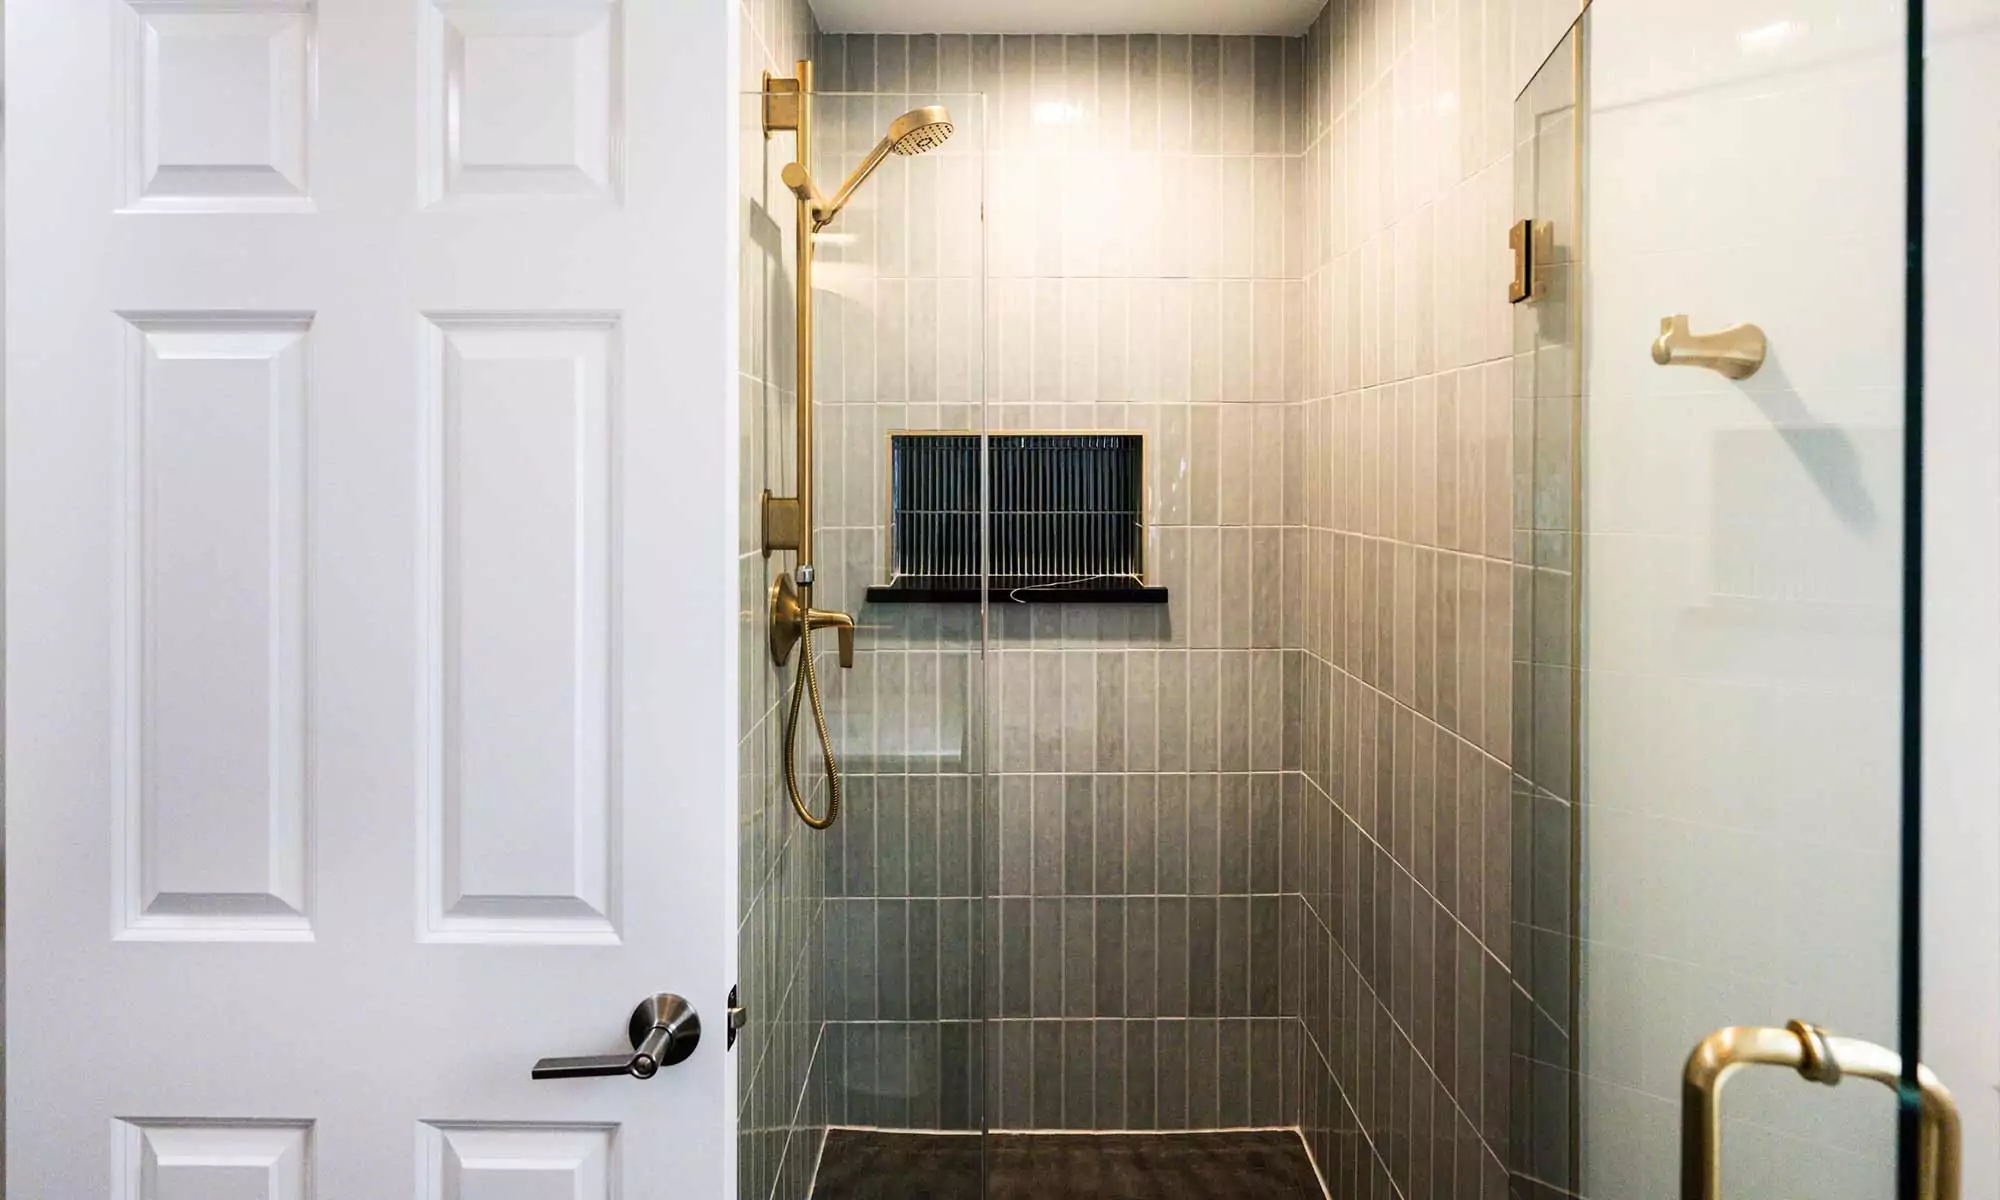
(1076, 1133)
(1084, 1133)
(1319, 1173)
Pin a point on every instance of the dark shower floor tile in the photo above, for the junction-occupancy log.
(864, 1165)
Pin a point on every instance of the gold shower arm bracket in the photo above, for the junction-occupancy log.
(800, 181)
(1821, 1058)
(1735, 352)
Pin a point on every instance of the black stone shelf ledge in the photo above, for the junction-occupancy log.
(964, 589)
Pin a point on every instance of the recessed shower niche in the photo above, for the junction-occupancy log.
(1065, 514)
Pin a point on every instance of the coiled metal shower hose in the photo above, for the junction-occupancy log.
(808, 682)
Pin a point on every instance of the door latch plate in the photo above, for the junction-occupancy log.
(737, 1016)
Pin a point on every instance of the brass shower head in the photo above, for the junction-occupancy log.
(918, 131)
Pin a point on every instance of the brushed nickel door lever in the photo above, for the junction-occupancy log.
(664, 1030)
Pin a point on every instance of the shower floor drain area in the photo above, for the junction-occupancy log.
(1248, 1165)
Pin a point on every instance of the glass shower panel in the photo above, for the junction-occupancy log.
(899, 295)
(780, 871)
(1708, 590)
(1547, 379)
(858, 943)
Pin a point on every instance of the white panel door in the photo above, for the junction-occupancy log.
(369, 613)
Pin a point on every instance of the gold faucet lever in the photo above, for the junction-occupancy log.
(1736, 352)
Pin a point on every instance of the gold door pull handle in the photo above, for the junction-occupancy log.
(1736, 352)
(1821, 1058)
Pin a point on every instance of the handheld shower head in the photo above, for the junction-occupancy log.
(918, 131)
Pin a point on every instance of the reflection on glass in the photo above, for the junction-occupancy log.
(1547, 408)
(1707, 591)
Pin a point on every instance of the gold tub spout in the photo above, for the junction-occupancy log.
(842, 624)
(1736, 352)
(792, 615)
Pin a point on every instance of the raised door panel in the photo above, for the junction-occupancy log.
(521, 813)
(217, 102)
(211, 1160)
(467, 1161)
(212, 822)
(522, 99)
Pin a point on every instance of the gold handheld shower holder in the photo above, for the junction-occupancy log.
(788, 520)
(915, 132)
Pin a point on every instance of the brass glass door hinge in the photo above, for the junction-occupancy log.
(1532, 242)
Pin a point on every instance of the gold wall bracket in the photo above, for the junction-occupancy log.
(782, 522)
(784, 101)
(1820, 1057)
(1735, 352)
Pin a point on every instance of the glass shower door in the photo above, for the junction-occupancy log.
(1710, 425)
(899, 370)
(859, 943)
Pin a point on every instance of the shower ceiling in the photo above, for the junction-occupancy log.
(1286, 18)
